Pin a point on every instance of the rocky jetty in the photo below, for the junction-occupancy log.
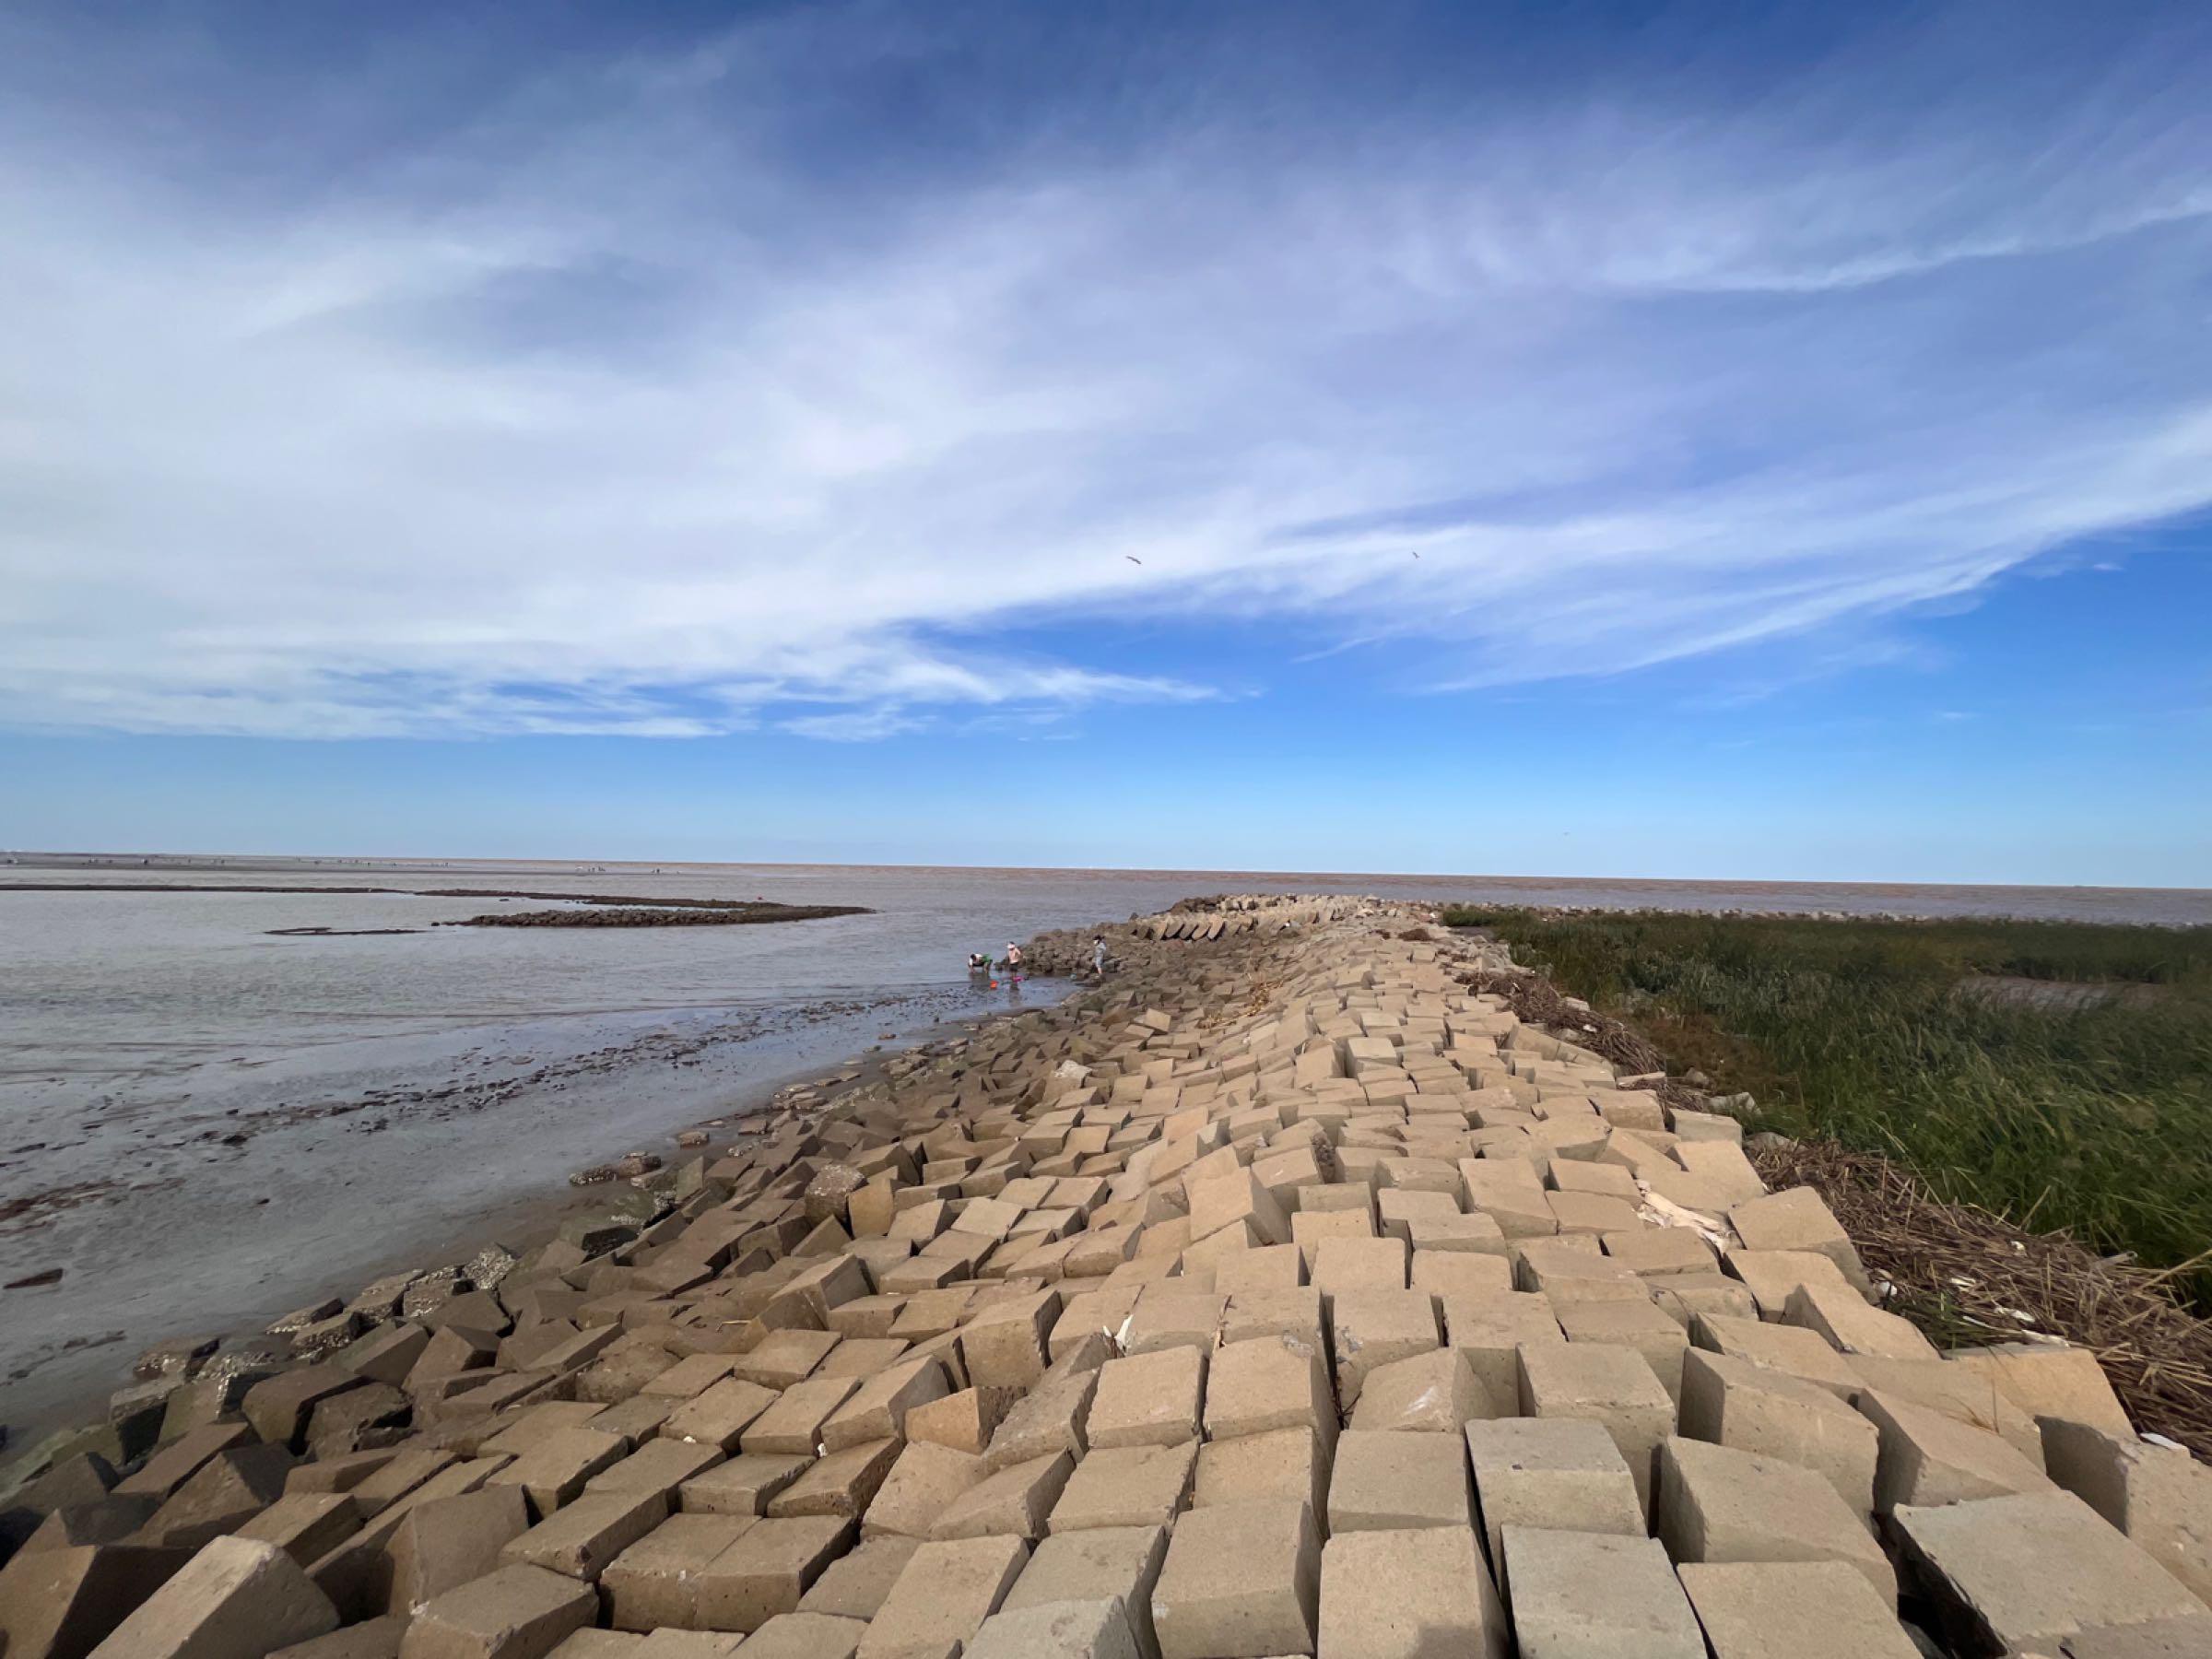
(1286, 1293)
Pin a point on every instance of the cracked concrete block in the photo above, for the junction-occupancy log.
(943, 1597)
(2009, 1573)
(1716, 1504)
(1382, 1480)
(2158, 1496)
(1130, 1486)
(1239, 1580)
(1408, 1595)
(1595, 1595)
(1749, 1408)
(1804, 1609)
(1561, 1473)
(1929, 1458)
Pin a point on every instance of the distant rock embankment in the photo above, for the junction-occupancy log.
(693, 912)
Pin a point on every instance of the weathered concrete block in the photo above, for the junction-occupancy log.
(305, 1525)
(1633, 1325)
(1716, 1504)
(236, 1599)
(1853, 1326)
(62, 1602)
(1284, 1464)
(1239, 1580)
(1561, 1473)
(227, 1491)
(793, 1424)
(2010, 1573)
(1595, 1595)
(1269, 1383)
(802, 1635)
(719, 1416)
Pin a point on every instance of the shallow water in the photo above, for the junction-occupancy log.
(204, 1123)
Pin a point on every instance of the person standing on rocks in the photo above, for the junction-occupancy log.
(1098, 956)
(1013, 958)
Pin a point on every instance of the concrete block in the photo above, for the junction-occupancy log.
(943, 1597)
(2044, 1381)
(1234, 1199)
(1129, 1486)
(1491, 1332)
(1562, 1473)
(583, 1538)
(1615, 1387)
(1792, 1349)
(1014, 1501)
(62, 1602)
(767, 1570)
(1771, 1274)
(226, 1492)
(1929, 1458)
(925, 1481)
(877, 1410)
(784, 1358)
(744, 1486)
(1167, 1317)
(963, 1421)
(1798, 1218)
(841, 1483)
(1853, 1326)
(2159, 1496)
(1240, 1581)
(1749, 1408)
(655, 1581)
(659, 1466)
(1147, 1400)
(1716, 1504)
(1374, 1327)
(1432, 1392)
(1957, 1391)
(1086, 1629)
(854, 1585)
(1096, 1564)
(1005, 1345)
(444, 1543)
(1287, 1465)
(1292, 1311)
(1631, 1324)
(1408, 1595)
(1384, 1480)
(2009, 1573)
(236, 1599)
(1804, 1609)
(805, 1635)
(1339, 1265)
(793, 1424)
(556, 1468)
(516, 1613)
(1595, 1595)
(1269, 1383)
(305, 1525)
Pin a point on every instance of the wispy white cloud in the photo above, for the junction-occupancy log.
(605, 413)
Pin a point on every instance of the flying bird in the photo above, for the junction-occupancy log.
(1415, 551)
(1132, 559)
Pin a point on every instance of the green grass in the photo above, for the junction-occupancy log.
(2097, 1120)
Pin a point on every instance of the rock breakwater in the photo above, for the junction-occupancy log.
(1286, 1292)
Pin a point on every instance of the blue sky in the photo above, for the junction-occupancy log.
(1701, 440)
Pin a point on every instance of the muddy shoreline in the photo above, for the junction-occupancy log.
(247, 1234)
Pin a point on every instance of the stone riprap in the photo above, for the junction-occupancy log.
(1282, 1294)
